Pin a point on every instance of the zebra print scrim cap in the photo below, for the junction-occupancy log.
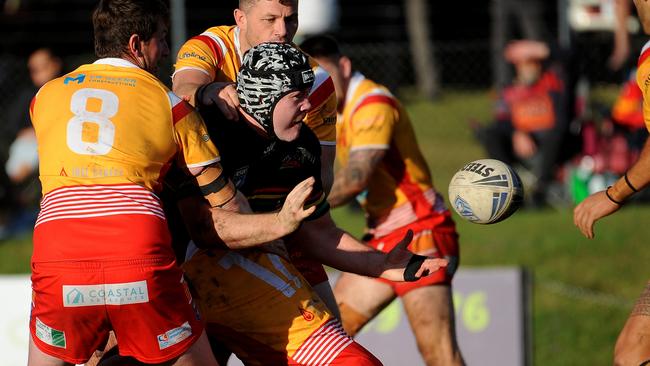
(270, 71)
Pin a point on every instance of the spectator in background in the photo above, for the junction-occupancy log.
(530, 119)
(19, 171)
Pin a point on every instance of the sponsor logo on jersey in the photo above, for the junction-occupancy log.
(48, 335)
(185, 55)
(77, 79)
(105, 294)
(174, 336)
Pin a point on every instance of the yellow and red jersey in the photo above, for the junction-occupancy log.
(401, 190)
(627, 110)
(643, 80)
(107, 133)
(217, 53)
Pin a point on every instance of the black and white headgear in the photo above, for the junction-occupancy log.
(270, 71)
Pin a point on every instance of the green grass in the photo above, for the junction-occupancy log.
(583, 289)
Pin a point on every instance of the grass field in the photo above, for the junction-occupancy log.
(583, 289)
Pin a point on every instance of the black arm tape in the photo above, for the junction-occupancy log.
(214, 186)
(412, 267)
(198, 94)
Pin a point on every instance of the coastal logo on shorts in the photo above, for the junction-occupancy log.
(174, 336)
(105, 294)
(47, 335)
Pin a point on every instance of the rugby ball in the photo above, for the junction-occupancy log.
(486, 191)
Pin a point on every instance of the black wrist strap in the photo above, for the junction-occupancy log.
(412, 267)
(627, 181)
(610, 197)
(198, 95)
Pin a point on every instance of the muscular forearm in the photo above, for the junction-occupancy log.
(638, 176)
(232, 225)
(240, 231)
(187, 90)
(328, 244)
(186, 82)
(353, 178)
(343, 190)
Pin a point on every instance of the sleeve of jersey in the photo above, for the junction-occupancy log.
(643, 80)
(196, 147)
(372, 126)
(204, 53)
(322, 116)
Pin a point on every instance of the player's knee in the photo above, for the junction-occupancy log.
(352, 320)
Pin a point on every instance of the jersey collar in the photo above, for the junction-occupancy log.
(114, 61)
(238, 46)
(355, 81)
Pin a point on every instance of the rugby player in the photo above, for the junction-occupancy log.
(206, 69)
(258, 304)
(102, 258)
(633, 343)
(381, 164)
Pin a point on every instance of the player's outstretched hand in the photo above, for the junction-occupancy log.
(402, 265)
(592, 209)
(224, 95)
(293, 211)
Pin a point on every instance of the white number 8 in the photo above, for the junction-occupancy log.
(106, 131)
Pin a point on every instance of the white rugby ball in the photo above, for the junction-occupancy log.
(486, 191)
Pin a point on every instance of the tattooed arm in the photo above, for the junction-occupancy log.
(353, 178)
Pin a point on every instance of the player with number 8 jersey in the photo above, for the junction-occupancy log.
(107, 133)
(100, 160)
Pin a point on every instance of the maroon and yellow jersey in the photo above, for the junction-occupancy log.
(107, 133)
(643, 80)
(400, 190)
(217, 53)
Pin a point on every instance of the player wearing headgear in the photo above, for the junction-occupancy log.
(102, 257)
(258, 304)
(382, 166)
(207, 66)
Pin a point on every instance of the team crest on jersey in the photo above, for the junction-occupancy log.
(308, 315)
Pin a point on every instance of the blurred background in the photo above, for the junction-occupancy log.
(469, 92)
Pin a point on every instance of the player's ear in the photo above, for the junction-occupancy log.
(135, 46)
(240, 18)
(345, 65)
